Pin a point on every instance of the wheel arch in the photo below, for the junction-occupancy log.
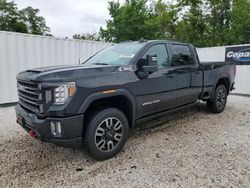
(120, 99)
(225, 80)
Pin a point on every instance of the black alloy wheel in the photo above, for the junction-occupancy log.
(106, 134)
(218, 103)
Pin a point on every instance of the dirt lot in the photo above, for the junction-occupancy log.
(194, 148)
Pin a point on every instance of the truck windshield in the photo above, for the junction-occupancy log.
(118, 54)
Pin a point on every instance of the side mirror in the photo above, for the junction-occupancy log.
(147, 66)
(151, 65)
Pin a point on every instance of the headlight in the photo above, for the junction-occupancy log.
(63, 92)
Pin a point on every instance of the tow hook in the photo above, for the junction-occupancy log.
(32, 134)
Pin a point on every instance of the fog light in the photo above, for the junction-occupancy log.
(56, 128)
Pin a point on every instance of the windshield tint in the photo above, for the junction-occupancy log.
(118, 54)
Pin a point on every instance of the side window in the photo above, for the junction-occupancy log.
(181, 55)
(162, 55)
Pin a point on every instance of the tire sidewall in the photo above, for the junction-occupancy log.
(93, 125)
(216, 108)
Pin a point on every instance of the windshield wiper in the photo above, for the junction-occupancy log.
(100, 63)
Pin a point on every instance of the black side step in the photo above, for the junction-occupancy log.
(157, 115)
(205, 97)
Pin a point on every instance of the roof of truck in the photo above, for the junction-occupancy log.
(154, 41)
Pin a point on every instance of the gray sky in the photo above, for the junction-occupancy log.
(68, 17)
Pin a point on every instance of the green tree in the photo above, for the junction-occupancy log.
(201, 22)
(240, 23)
(128, 21)
(25, 21)
(164, 20)
(219, 18)
(192, 25)
(214, 22)
(10, 18)
(88, 36)
(36, 24)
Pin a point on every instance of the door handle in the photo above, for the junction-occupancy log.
(197, 72)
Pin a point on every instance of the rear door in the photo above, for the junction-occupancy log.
(157, 92)
(188, 73)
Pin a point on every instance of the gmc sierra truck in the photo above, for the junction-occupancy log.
(94, 105)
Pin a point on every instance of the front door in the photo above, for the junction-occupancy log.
(157, 92)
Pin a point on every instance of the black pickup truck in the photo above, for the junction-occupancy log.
(95, 104)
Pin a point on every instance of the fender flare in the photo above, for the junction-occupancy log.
(217, 80)
(99, 95)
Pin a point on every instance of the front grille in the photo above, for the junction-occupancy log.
(30, 96)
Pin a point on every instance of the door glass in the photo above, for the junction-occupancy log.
(181, 55)
(162, 55)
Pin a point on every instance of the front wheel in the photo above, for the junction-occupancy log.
(106, 133)
(219, 101)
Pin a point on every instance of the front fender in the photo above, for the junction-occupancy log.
(101, 95)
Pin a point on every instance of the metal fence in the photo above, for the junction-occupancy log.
(242, 79)
(19, 52)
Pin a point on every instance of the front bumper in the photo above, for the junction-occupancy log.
(71, 128)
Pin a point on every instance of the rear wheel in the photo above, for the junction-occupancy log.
(107, 133)
(219, 101)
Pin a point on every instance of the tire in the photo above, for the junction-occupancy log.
(106, 134)
(219, 100)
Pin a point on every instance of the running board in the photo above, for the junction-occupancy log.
(205, 98)
(159, 114)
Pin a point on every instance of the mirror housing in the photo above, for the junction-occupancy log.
(147, 66)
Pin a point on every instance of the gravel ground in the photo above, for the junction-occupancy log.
(193, 148)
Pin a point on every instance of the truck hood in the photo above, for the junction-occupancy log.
(64, 72)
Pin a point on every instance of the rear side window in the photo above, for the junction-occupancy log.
(181, 55)
(161, 52)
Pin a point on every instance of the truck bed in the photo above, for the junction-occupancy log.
(213, 71)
